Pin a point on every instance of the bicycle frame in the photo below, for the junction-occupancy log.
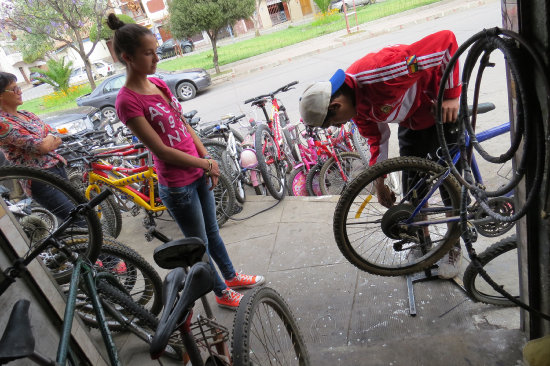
(99, 176)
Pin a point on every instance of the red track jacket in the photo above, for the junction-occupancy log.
(400, 84)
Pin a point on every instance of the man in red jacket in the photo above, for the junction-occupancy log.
(397, 84)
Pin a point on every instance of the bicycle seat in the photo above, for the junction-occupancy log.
(190, 114)
(198, 282)
(179, 253)
(17, 341)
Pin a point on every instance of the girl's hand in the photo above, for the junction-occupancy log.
(215, 172)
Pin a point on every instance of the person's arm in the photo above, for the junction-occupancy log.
(148, 136)
(49, 143)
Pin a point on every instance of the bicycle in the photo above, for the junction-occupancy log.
(275, 141)
(122, 180)
(421, 225)
(262, 308)
(102, 289)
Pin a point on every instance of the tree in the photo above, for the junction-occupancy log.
(106, 32)
(57, 74)
(34, 47)
(323, 5)
(62, 21)
(188, 17)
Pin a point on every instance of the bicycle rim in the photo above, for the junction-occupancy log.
(332, 179)
(270, 166)
(265, 332)
(61, 197)
(379, 240)
(495, 260)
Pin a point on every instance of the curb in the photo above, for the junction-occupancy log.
(360, 35)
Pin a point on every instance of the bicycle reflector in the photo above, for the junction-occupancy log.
(248, 159)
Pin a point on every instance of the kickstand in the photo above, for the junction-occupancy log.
(426, 275)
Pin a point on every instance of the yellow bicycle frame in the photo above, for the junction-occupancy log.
(95, 180)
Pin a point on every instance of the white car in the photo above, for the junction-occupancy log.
(102, 68)
(338, 4)
(79, 76)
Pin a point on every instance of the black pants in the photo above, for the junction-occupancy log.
(423, 144)
(50, 198)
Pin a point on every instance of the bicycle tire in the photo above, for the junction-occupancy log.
(46, 216)
(312, 180)
(233, 172)
(89, 222)
(330, 178)
(140, 317)
(268, 162)
(478, 290)
(297, 183)
(361, 145)
(386, 245)
(224, 195)
(248, 336)
(139, 278)
(290, 147)
(110, 216)
(214, 148)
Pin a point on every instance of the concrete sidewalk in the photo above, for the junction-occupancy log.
(348, 317)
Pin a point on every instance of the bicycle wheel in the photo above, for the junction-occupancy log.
(133, 317)
(215, 148)
(312, 181)
(266, 333)
(139, 278)
(332, 180)
(58, 197)
(271, 168)
(224, 195)
(290, 147)
(297, 182)
(233, 172)
(388, 241)
(496, 262)
(361, 146)
(109, 216)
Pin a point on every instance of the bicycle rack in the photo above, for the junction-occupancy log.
(426, 275)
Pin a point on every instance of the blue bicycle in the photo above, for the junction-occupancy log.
(421, 223)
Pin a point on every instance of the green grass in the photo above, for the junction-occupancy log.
(255, 46)
(292, 35)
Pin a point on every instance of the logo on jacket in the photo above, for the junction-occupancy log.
(386, 109)
(412, 64)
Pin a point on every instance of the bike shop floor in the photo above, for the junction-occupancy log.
(348, 317)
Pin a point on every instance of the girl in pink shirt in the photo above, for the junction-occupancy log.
(186, 173)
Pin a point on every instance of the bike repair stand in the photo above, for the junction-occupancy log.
(427, 275)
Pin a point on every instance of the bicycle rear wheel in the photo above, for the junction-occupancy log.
(271, 168)
(495, 261)
(234, 174)
(331, 178)
(265, 332)
(397, 241)
(224, 195)
(139, 278)
(312, 180)
(59, 197)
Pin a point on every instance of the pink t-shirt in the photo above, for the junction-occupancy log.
(167, 123)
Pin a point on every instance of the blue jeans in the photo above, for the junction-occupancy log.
(194, 209)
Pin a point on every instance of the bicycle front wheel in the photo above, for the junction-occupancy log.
(51, 193)
(266, 333)
(270, 166)
(335, 175)
(495, 261)
(410, 235)
(224, 195)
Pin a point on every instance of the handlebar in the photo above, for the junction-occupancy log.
(271, 95)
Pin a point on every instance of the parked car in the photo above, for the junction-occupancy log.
(103, 69)
(79, 76)
(74, 120)
(168, 48)
(338, 4)
(34, 75)
(183, 84)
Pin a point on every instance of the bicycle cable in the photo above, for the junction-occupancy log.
(483, 43)
(259, 212)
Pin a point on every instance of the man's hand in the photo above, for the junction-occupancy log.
(386, 197)
(449, 110)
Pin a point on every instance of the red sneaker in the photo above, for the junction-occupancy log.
(230, 299)
(244, 281)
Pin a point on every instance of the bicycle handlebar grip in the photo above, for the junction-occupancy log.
(249, 100)
(292, 83)
(100, 197)
(239, 117)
